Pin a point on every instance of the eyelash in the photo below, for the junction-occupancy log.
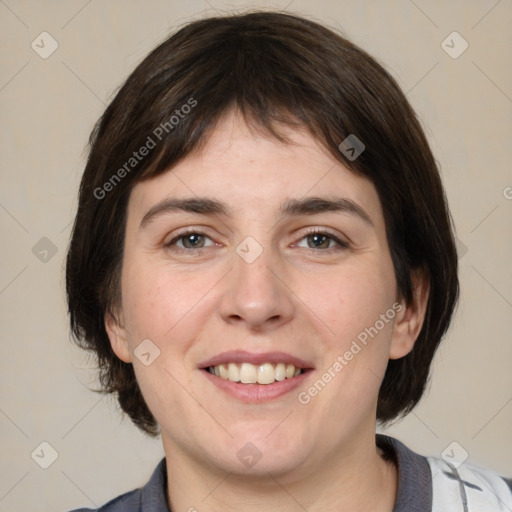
(342, 245)
(170, 245)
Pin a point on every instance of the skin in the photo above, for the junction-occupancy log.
(296, 297)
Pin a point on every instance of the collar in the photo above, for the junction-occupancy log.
(414, 492)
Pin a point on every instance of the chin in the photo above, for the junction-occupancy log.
(258, 453)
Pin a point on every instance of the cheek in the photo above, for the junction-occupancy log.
(356, 349)
(161, 304)
(361, 315)
(351, 299)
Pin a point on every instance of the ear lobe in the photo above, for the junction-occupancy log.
(409, 320)
(117, 336)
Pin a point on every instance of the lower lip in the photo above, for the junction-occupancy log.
(257, 393)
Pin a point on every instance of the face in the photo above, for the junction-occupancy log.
(259, 304)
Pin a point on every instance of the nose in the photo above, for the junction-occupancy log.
(256, 295)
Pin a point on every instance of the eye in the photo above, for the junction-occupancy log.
(322, 240)
(190, 240)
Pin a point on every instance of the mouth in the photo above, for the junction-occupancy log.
(247, 373)
(256, 377)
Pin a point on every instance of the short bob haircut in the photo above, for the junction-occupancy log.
(276, 69)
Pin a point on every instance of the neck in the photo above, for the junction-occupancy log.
(356, 479)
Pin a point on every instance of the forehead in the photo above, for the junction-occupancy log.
(247, 168)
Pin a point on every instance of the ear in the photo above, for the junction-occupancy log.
(410, 317)
(116, 331)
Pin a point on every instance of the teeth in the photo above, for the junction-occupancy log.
(233, 372)
(266, 374)
(247, 373)
(280, 371)
(223, 371)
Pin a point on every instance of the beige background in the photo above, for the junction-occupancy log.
(48, 107)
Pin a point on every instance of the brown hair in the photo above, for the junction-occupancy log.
(274, 68)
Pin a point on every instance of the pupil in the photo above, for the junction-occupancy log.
(318, 240)
(193, 239)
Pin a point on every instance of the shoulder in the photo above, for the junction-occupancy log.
(475, 488)
(151, 497)
(431, 484)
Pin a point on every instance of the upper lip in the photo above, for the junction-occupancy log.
(241, 356)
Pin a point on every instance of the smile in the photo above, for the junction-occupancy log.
(247, 373)
(256, 378)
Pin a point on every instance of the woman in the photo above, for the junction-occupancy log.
(264, 264)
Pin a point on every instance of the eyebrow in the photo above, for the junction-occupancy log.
(314, 205)
(292, 207)
(202, 205)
